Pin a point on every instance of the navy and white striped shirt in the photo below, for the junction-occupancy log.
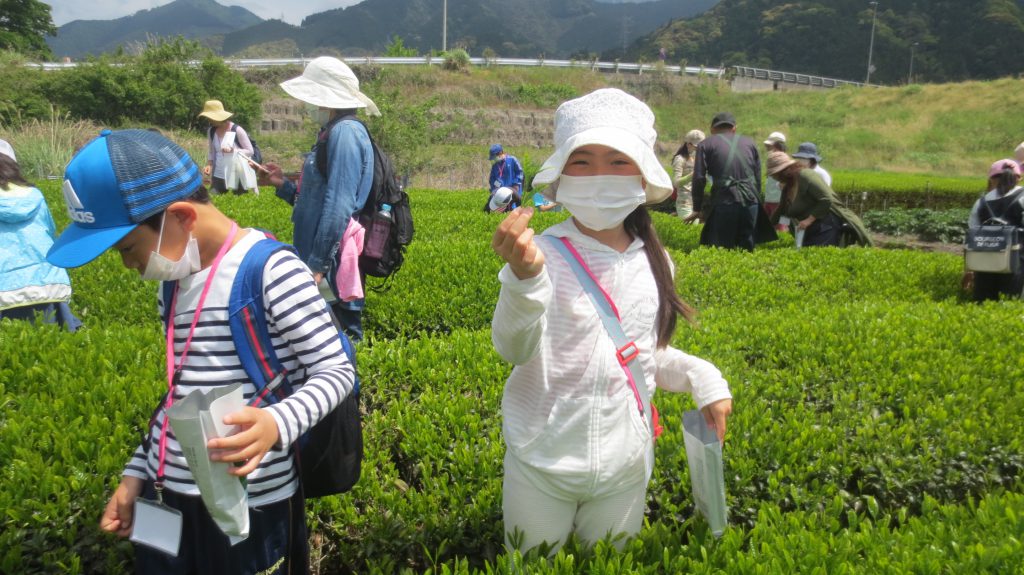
(305, 340)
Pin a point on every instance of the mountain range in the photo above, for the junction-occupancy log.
(189, 18)
(510, 28)
(914, 40)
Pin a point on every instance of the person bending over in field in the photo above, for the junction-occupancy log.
(814, 211)
(578, 423)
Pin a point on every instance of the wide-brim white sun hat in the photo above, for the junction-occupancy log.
(613, 118)
(329, 83)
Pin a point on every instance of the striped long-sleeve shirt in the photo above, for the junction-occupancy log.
(305, 340)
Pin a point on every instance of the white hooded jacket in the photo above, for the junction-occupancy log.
(567, 407)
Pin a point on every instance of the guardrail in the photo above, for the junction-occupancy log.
(792, 77)
(740, 71)
(435, 60)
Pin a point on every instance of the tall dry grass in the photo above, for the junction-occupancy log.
(44, 147)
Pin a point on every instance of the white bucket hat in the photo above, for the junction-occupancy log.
(7, 150)
(329, 83)
(612, 118)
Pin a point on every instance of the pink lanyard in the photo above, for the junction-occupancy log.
(174, 371)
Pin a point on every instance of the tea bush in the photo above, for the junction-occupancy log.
(876, 424)
(929, 225)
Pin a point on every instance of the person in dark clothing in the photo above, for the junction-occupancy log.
(1004, 201)
(732, 162)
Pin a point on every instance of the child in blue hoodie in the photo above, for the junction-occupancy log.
(28, 284)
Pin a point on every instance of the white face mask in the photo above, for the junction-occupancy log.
(160, 268)
(600, 202)
(319, 115)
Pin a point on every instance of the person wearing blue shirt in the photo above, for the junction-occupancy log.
(506, 172)
(336, 175)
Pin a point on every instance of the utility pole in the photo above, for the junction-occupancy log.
(910, 74)
(871, 45)
(444, 27)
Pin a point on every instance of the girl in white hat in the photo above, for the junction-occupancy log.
(578, 423)
(682, 168)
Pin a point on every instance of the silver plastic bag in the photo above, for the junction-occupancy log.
(704, 457)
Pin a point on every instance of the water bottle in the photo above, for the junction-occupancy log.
(377, 235)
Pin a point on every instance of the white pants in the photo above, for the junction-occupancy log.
(534, 515)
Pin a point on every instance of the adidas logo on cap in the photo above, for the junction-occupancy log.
(76, 211)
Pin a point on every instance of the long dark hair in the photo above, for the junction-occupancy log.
(10, 173)
(1005, 181)
(638, 224)
(683, 151)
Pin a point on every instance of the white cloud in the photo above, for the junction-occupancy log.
(65, 11)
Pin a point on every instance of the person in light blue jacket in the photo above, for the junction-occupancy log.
(336, 175)
(29, 286)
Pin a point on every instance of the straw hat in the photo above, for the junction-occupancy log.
(613, 118)
(778, 161)
(329, 83)
(214, 110)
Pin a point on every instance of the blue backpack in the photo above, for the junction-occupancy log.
(330, 454)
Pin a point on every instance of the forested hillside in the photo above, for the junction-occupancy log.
(950, 40)
(187, 18)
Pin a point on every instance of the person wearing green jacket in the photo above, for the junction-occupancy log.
(813, 207)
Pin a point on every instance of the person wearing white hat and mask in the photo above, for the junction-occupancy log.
(577, 420)
(336, 176)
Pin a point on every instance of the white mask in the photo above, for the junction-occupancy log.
(600, 202)
(319, 115)
(160, 268)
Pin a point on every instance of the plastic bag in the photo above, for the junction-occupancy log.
(195, 420)
(704, 457)
(239, 173)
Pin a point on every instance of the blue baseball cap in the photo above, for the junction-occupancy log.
(113, 184)
(495, 150)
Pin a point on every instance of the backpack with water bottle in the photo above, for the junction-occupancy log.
(386, 209)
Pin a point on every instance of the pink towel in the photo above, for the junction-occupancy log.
(350, 284)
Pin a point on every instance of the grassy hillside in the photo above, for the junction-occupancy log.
(933, 129)
(942, 129)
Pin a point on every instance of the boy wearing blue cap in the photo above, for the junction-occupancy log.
(138, 192)
(506, 172)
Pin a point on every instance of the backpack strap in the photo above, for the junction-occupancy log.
(248, 322)
(324, 136)
(249, 330)
(626, 351)
(1008, 201)
(728, 181)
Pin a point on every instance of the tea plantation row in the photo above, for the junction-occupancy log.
(877, 422)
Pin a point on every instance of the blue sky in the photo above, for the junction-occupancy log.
(65, 11)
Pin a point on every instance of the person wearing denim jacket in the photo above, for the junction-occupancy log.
(333, 192)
